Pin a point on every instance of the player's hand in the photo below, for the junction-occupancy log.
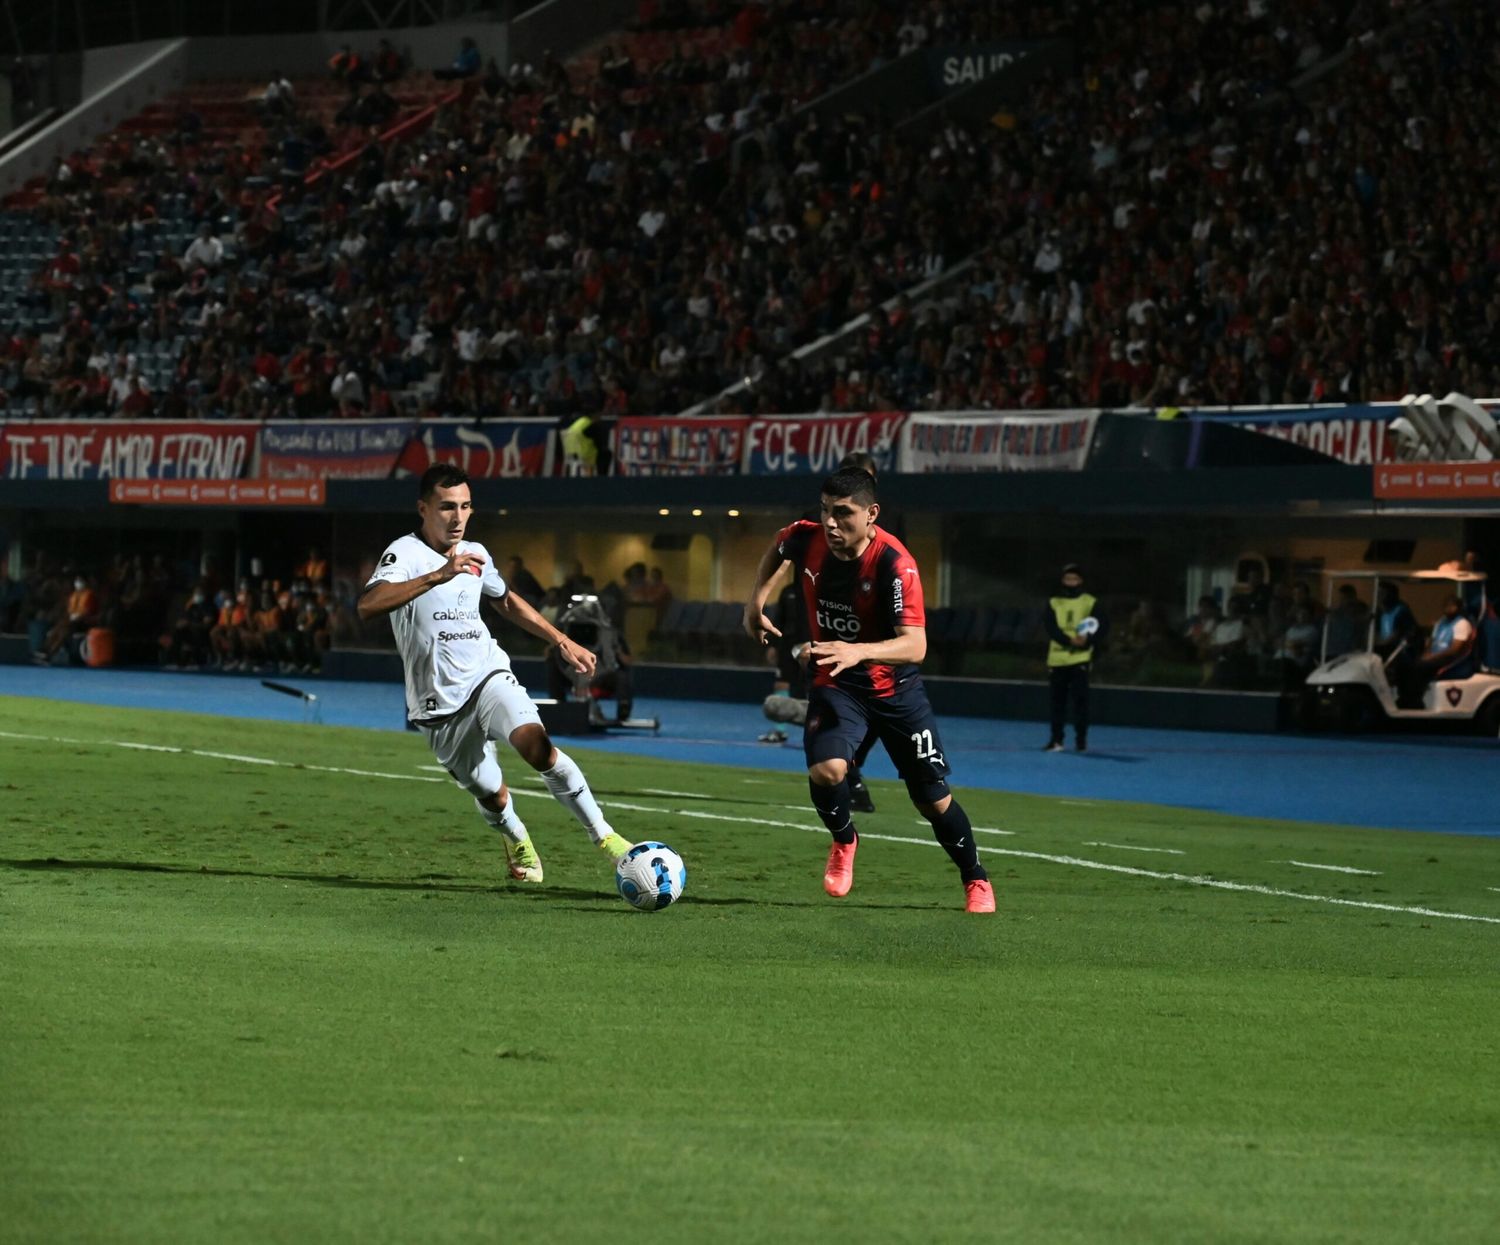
(835, 656)
(464, 563)
(757, 626)
(582, 660)
(1080, 641)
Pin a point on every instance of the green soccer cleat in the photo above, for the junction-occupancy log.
(615, 845)
(525, 864)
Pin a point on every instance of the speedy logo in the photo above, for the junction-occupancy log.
(449, 636)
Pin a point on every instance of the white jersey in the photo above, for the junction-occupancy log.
(445, 646)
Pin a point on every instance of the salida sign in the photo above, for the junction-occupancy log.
(83, 450)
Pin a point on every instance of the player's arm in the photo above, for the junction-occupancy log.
(515, 608)
(384, 596)
(757, 625)
(909, 644)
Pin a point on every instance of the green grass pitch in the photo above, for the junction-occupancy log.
(301, 1002)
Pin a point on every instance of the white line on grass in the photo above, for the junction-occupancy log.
(1078, 862)
(1126, 847)
(979, 829)
(1307, 864)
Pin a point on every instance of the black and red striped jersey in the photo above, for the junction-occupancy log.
(860, 600)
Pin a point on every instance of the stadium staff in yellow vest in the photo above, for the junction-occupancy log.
(580, 449)
(1073, 627)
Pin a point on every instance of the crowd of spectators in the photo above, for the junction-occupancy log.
(557, 240)
(187, 616)
(634, 231)
(1171, 227)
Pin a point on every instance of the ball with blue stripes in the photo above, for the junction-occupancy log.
(651, 876)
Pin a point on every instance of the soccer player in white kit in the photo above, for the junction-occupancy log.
(459, 687)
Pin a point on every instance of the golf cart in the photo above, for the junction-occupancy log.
(585, 621)
(1356, 686)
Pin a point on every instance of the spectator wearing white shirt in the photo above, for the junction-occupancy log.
(652, 221)
(205, 251)
(278, 99)
(348, 389)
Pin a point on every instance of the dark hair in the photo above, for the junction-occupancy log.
(853, 483)
(441, 475)
(858, 460)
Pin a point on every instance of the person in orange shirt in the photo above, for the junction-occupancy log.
(228, 634)
(315, 569)
(81, 614)
(262, 636)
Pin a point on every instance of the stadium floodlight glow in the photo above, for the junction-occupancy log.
(734, 514)
(697, 512)
(663, 510)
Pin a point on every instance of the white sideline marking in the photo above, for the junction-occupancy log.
(1307, 864)
(1496, 889)
(232, 756)
(1078, 862)
(975, 829)
(437, 768)
(1126, 847)
(149, 747)
(682, 795)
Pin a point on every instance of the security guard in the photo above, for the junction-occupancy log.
(1073, 627)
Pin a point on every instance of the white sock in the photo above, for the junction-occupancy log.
(570, 789)
(505, 821)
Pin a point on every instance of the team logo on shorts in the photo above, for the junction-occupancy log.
(1454, 696)
(865, 585)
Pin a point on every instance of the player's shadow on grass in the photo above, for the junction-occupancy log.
(1119, 758)
(432, 882)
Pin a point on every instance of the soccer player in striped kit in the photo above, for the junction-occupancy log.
(863, 596)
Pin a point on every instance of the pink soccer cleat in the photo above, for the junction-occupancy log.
(839, 876)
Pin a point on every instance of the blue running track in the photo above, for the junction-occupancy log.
(1408, 782)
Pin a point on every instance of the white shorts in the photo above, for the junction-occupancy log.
(465, 743)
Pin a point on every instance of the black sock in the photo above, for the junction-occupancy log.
(832, 804)
(952, 829)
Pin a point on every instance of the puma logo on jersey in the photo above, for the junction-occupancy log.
(808, 572)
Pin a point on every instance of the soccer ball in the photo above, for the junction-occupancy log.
(651, 876)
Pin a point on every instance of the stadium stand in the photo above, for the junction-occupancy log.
(1169, 224)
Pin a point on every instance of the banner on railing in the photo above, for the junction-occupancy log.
(79, 449)
(1352, 434)
(490, 450)
(344, 449)
(237, 493)
(814, 444)
(690, 446)
(988, 441)
(1437, 481)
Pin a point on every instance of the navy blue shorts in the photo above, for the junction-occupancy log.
(837, 722)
